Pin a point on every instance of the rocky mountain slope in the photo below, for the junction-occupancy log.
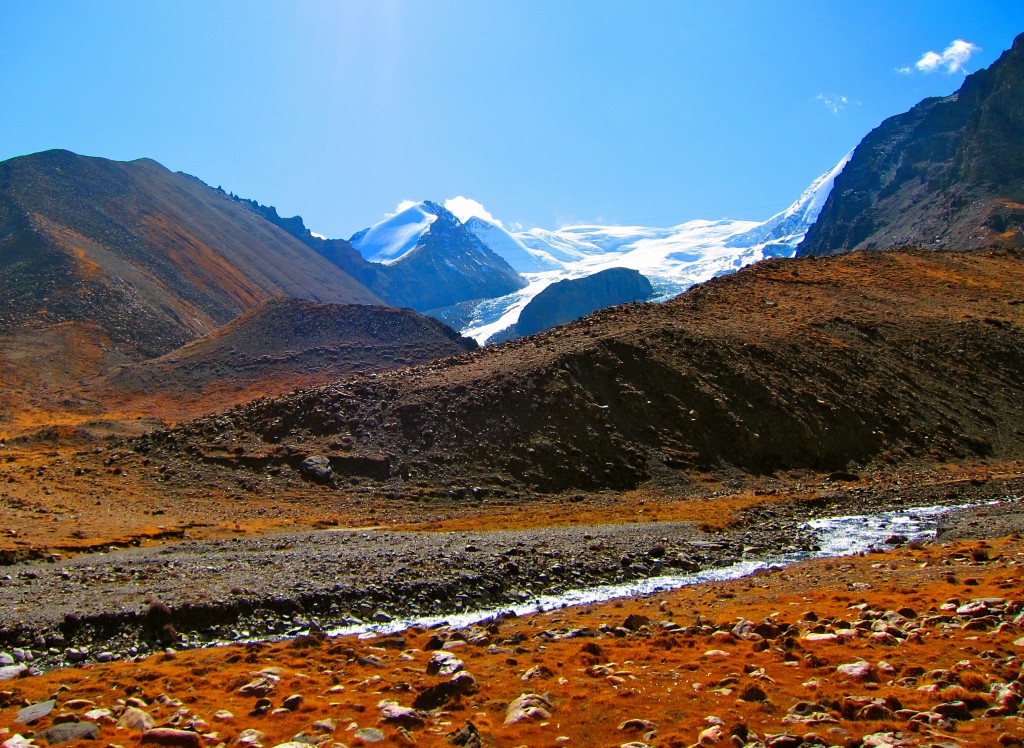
(280, 346)
(105, 263)
(822, 364)
(947, 174)
(149, 258)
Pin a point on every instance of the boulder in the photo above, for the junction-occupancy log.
(68, 731)
(172, 738)
(317, 468)
(133, 718)
(528, 707)
(393, 713)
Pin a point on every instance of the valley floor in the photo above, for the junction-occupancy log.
(917, 646)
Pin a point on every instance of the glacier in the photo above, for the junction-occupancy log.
(673, 258)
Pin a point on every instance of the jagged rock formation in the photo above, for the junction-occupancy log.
(947, 174)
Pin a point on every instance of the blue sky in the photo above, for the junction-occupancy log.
(549, 112)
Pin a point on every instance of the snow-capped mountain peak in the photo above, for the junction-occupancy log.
(391, 239)
(672, 258)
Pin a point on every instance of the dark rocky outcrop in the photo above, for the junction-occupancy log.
(947, 174)
(568, 300)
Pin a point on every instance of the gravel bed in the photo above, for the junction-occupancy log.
(126, 603)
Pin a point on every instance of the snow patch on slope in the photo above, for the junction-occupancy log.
(391, 239)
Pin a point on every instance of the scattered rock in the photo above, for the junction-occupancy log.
(393, 713)
(444, 663)
(783, 740)
(886, 740)
(637, 725)
(537, 671)
(753, 692)
(102, 716)
(528, 706)
(634, 622)
(317, 468)
(711, 736)
(324, 726)
(368, 735)
(12, 671)
(436, 696)
(957, 710)
(135, 719)
(30, 714)
(69, 731)
(76, 704)
(17, 741)
(466, 736)
(168, 736)
(250, 737)
(857, 670)
(261, 686)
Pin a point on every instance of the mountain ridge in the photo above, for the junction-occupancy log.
(282, 345)
(948, 173)
(153, 257)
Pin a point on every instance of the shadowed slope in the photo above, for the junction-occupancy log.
(282, 345)
(820, 364)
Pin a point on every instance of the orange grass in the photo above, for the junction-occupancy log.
(666, 678)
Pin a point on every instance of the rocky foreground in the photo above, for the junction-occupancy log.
(918, 646)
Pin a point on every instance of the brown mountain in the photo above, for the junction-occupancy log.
(104, 263)
(283, 345)
(152, 258)
(864, 359)
(947, 174)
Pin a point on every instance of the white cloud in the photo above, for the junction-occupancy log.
(465, 208)
(402, 205)
(835, 103)
(952, 58)
(905, 70)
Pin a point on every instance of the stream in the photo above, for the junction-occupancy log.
(837, 536)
